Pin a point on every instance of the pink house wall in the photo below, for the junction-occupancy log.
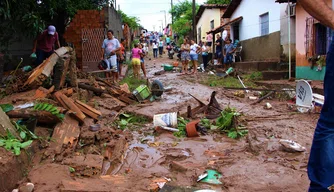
(301, 16)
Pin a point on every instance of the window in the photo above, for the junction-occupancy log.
(264, 24)
(212, 24)
(199, 34)
(321, 39)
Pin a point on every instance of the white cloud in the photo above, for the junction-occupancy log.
(149, 11)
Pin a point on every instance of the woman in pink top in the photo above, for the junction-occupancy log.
(209, 39)
(136, 60)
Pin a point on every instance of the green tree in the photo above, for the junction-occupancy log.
(133, 22)
(218, 2)
(182, 15)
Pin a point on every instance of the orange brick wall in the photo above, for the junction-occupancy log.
(84, 19)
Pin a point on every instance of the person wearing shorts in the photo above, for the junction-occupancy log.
(136, 60)
(110, 47)
(142, 61)
(185, 48)
(194, 48)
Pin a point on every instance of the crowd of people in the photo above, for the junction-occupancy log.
(113, 51)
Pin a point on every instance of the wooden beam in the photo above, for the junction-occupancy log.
(41, 116)
(5, 125)
(88, 110)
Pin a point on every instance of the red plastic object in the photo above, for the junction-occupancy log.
(191, 128)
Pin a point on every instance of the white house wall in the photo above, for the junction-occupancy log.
(251, 10)
(204, 22)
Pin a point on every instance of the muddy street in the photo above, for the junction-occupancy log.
(137, 156)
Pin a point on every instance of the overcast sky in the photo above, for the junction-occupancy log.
(150, 12)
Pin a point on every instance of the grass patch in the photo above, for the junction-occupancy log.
(132, 82)
(255, 76)
(215, 81)
(130, 121)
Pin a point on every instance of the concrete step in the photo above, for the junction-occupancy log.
(275, 75)
(260, 66)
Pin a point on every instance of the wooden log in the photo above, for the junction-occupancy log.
(66, 63)
(91, 88)
(41, 116)
(263, 98)
(88, 110)
(5, 125)
(73, 69)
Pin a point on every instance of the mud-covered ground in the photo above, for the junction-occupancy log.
(143, 156)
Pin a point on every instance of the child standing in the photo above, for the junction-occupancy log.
(228, 50)
(142, 61)
(155, 49)
(136, 60)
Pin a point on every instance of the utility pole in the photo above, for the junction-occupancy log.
(171, 6)
(194, 25)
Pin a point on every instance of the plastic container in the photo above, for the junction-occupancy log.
(142, 92)
(165, 120)
(168, 67)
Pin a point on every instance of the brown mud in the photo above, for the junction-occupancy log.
(115, 160)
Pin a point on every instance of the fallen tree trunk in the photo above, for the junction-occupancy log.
(46, 67)
(41, 116)
(5, 125)
(91, 88)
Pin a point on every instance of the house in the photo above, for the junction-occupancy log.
(207, 18)
(261, 28)
(313, 41)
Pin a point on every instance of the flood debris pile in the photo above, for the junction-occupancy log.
(75, 111)
(206, 118)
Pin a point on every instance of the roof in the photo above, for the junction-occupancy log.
(231, 8)
(208, 6)
(286, 1)
(217, 29)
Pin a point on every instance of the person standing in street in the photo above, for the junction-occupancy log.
(321, 161)
(194, 48)
(155, 49)
(44, 44)
(185, 48)
(121, 57)
(142, 60)
(136, 52)
(110, 47)
(219, 43)
(227, 52)
(209, 39)
(161, 47)
(167, 40)
(205, 54)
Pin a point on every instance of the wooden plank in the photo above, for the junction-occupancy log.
(57, 95)
(47, 66)
(88, 107)
(126, 99)
(6, 124)
(66, 132)
(64, 73)
(41, 116)
(71, 106)
(88, 110)
(73, 69)
(41, 92)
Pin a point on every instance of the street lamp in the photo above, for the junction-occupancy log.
(165, 16)
(162, 24)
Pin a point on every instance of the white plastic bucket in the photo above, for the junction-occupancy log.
(165, 120)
